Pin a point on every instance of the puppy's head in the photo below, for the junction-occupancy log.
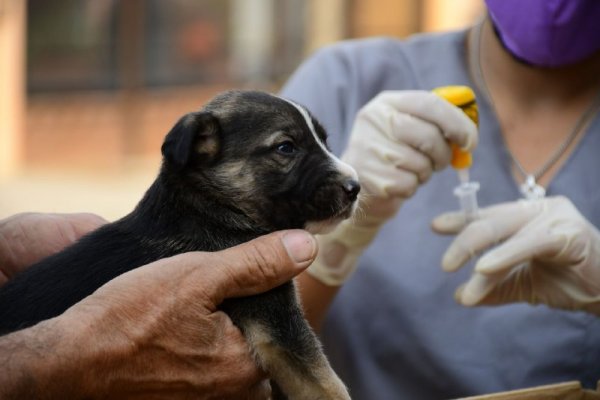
(263, 157)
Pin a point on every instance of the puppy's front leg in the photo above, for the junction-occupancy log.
(287, 348)
(299, 367)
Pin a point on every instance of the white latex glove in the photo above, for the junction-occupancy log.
(547, 252)
(398, 139)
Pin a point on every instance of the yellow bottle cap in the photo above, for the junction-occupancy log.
(464, 98)
(457, 95)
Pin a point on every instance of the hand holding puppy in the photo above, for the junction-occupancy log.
(29, 237)
(156, 330)
(398, 140)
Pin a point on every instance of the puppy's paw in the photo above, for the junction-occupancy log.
(333, 387)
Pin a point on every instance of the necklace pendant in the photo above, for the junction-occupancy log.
(531, 190)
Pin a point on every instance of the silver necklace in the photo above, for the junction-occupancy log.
(530, 189)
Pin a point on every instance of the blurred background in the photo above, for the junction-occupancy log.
(89, 88)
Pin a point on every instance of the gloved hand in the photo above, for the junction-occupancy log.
(547, 252)
(398, 139)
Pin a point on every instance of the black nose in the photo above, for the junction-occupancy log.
(351, 187)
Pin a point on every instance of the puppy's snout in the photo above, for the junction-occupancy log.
(351, 188)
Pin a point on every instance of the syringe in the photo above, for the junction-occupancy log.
(464, 98)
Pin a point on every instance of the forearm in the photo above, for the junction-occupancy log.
(39, 363)
(316, 298)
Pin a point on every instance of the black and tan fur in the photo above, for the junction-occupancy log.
(247, 164)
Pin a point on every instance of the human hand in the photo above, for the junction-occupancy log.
(29, 237)
(156, 331)
(547, 252)
(398, 140)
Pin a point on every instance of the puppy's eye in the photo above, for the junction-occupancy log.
(286, 147)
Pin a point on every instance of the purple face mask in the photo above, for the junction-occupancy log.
(548, 33)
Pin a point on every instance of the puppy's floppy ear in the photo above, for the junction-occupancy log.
(194, 137)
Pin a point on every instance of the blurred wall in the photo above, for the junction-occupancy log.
(12, 84)
(89, 88)
(116, 74)
(441, 15)
(397, 18)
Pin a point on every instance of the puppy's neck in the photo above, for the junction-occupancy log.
(171, 204)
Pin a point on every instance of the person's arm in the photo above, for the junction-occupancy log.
(156, 330)
(316, 298)
(28, 237)
(398, 140)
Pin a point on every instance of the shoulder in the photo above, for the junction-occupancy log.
(337, 80)
(388, 56)
(367, 66)
(349, 61)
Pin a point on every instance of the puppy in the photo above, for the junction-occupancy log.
(247, 164)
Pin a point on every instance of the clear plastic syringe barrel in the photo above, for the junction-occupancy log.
(467, 198)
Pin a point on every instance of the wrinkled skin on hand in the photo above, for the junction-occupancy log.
(156, 332)
(29, 237)
(170, 334)
(167, 337)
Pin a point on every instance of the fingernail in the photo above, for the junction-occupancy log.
(489, 264)
(483, 266)
(451, 260)
(458, 294)
(476, 289)
(300, 245)
(468, 298)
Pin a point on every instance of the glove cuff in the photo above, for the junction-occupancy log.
(339, 252)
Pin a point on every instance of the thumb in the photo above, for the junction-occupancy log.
(261, 264)
(449, 223)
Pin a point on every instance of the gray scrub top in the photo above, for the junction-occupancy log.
(394, 330)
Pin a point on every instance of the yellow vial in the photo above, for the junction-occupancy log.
(464, 98)
(460, 159)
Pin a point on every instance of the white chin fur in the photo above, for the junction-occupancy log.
(322, 227)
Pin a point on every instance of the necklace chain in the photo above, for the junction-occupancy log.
(530, 189)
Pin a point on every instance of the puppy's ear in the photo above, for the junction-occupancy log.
(194, 137)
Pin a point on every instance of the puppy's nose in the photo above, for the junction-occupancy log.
(351, 187)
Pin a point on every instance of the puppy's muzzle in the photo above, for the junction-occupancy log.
(351, 187)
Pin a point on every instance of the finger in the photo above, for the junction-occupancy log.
(3, 277)
(261, 264)
(453, 222)
(403, 157)
(449, 223)
(389, 170)
(510, 286)
(454, 123)
(422, 136)
(383, 181)
(477, 288)
(474, 238)
(84, 223)
(522, 247)
(232, 350)
(260, 391)
(493, 226)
